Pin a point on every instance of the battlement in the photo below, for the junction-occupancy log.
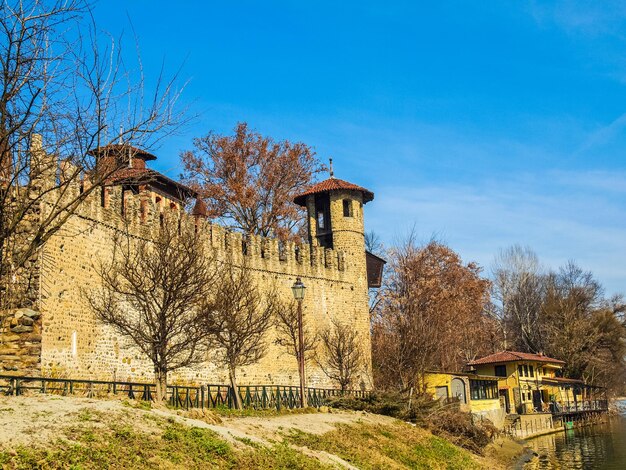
(141, 214)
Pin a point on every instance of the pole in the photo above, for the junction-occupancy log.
(301, 355)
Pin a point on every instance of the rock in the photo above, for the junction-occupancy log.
(9, 338)
(27, 321)
(323, 409)
(34, 338)
(22, 329)
(30, 313)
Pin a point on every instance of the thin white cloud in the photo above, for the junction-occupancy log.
(604, 135)
(560, 221)
(598, 17)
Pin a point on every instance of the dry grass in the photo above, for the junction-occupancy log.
(390, 446)
(63, 432)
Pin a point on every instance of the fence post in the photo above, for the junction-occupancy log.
(278, 397)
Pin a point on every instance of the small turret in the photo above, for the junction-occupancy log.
(335, 220)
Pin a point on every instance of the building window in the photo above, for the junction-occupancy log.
(441, 393)
(483, 389)
(525, 370)
(500, 371)
(520, 370)
(347, 208)
(321, 220)
(532, 372)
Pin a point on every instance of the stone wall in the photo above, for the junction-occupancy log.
(74, 344)
(20, 342)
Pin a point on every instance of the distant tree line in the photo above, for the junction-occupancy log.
(435, 312)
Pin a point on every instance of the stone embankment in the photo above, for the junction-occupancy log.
(20, 342)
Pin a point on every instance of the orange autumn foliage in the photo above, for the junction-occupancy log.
(248, 181)
(431, 315)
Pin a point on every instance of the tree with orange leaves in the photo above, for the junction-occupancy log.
(431, 315)
(248, 181)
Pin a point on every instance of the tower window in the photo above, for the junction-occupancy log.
(321, 222)
(347, 208)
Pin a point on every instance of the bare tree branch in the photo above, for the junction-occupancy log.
(154, 293)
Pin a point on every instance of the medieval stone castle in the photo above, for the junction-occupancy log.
(60, 335)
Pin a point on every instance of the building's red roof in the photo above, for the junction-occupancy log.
(136, 176)
(123, 150)
(333, 184)
(513, 356)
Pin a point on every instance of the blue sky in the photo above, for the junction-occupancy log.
(483, 123)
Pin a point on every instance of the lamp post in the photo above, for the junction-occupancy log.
(298, 294)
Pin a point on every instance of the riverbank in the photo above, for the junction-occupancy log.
(64, 432)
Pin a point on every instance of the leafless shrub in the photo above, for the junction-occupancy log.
(237, 320)
(342, 355)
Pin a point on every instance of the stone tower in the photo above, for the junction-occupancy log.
(335, 222)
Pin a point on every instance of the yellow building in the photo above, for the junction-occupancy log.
(474, 393)
(522, 377)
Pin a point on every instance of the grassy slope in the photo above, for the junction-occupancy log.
(387, 446)
(141, 439)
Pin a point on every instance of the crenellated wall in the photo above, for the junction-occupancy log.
(75, 344)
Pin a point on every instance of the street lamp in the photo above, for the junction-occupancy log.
(298, 294)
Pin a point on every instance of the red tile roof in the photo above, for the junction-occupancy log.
(513, 356)
(146, 176)
(333, 184)
(122, 149)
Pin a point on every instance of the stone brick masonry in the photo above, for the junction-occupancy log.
(61, 337)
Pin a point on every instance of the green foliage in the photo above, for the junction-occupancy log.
(89, 415)
(279, 456)
(392, 404)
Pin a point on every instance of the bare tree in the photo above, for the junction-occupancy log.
(62, 95)
(238, 319)
(249, 180)
(374, 245)
(153, 293)
(517, 296)
(342, 356)
(287, 332)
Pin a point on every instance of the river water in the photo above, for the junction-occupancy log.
(601, 446)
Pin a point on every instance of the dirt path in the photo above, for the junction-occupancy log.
(315, 423)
